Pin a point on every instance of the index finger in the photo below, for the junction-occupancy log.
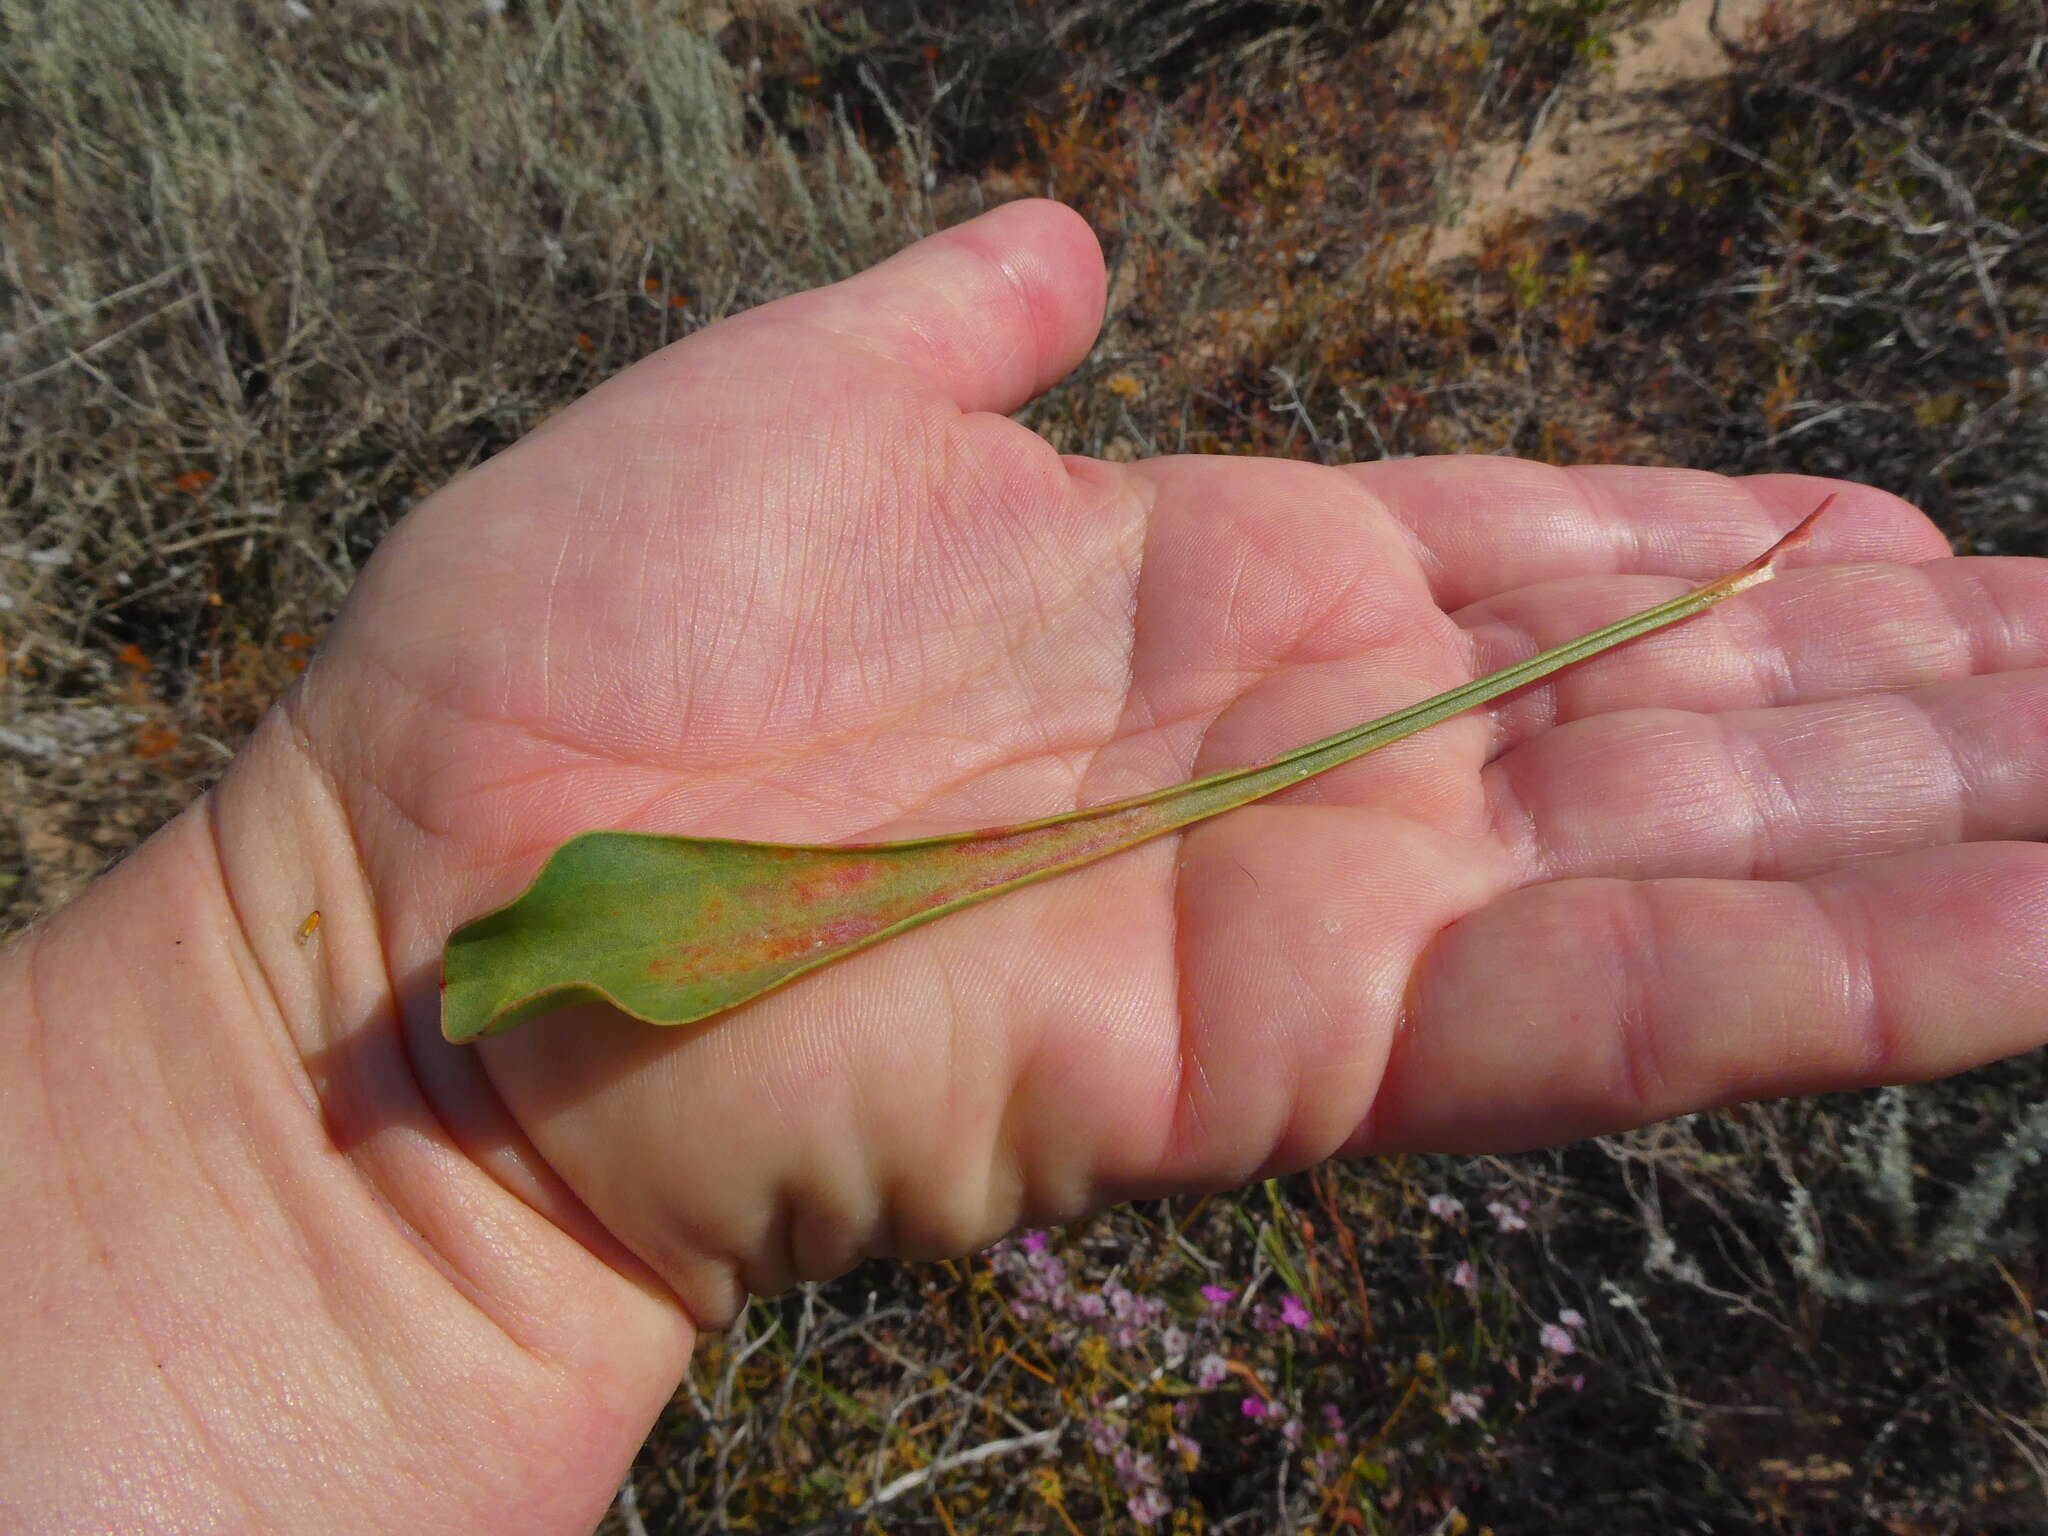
(1481, 526)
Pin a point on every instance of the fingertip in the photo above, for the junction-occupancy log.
(1862, 522)
(990, 312)
(1052, 260)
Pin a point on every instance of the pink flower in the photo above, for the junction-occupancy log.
(1134, 1469)
(1149, 1507)
(1217, 1297)
(1556, 1340)
(1446, 1207)
(1506, 1217)
(1210, 1370)
(1465, 1277)
(1571, 1318)
(1463, 1405)
(1253, 1408)
(1294, 1314)
(1034, 1242)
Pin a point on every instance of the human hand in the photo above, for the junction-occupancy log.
(798, 578)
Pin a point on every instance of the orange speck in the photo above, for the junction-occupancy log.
(153, 739)
(1124, 386)
(130, 655)
(678, 301)
(193, 481)
(584, 342)
(651, 284)
(310, 926)
(293, 641)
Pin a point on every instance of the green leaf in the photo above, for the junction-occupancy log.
(675, 929)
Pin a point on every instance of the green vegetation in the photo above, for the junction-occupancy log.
(270, 272)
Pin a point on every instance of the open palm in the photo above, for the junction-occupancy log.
(798, 579)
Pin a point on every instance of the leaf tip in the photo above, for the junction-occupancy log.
(1765, 565)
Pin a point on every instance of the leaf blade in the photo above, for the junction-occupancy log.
(673, 930)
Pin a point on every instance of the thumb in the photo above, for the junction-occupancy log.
(989, 313)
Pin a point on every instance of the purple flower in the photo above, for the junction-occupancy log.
(1135, 1469)
(1556, 1340)
(1217, 1298)
(1149, 1507)
(1446, 1207)
(1294, 1314)
(1570, 1318)
(1333, 1421)
(1253, 1408)
(1104, 1436)
(1465, 1277)
(1210, 1370)
(1508, 1219)
(1034, 1242)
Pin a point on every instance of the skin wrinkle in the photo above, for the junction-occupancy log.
(563, 545)
(815, 746)
(1189, 1087)
(1955, 798)
(1773, 673)
(1504, 720)
(1856, 963)
(951, 1053)
(1511, 824)
(1284, 1130)
(1429, 564)
(1982, 653)
(101, 1244)
(1766, 799)
(1189, 1083)
(1620, 535)
(520, 1151)
(301, 1221)
(1634, 936)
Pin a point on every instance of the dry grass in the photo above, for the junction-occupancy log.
(267, 279)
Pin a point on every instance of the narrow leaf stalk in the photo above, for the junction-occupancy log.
(676, 929)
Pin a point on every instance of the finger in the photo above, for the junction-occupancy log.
(1587, 1006)
(990, 312)
(1775, 794)
(1808, 636)
(1485, 525)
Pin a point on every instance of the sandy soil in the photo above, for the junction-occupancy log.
(1599, 134)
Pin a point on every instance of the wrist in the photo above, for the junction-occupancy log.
(259, 1258)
